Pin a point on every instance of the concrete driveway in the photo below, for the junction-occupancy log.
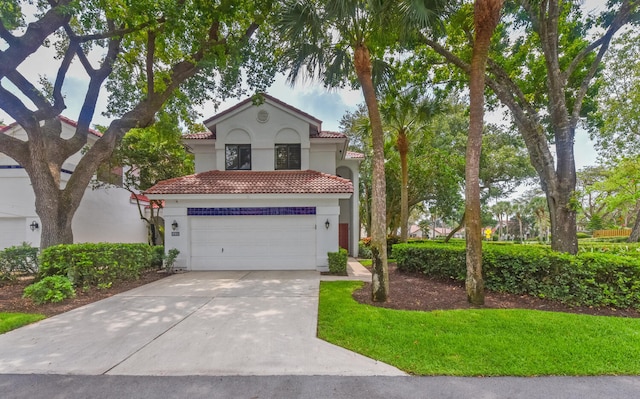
(198, 323)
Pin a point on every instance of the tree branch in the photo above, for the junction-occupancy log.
(14, 148)
(151, 51)
(621, 18)
(30, 42)
(28, 89)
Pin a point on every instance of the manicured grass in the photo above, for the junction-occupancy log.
(11, 321)
(367, 262)
(479, 342)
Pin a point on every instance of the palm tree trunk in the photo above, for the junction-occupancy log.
(486, 17)
(380, 275)
(403, 149)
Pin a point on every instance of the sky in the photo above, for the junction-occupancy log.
(327, 105)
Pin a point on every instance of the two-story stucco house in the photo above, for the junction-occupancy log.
(271, 191)
(104, 215)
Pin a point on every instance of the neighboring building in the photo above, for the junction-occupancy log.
(104, 215)
(271, 191)
(415, 231)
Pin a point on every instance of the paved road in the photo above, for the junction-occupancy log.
(198, 323)
(315, 387)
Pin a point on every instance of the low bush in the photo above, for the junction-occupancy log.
(338, 261)
(591, 279)
(364, 251)
(158, 256)
(96, 264)
(364, 246)
(50, 289)
(18, 260)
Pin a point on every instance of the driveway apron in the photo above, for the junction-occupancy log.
(198, 323)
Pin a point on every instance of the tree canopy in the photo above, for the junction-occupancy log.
(148, 54)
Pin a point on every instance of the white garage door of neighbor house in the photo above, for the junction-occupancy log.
(11, 232)
(280, 242)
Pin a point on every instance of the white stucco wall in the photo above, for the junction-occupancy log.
(104, 215)
(282, 127)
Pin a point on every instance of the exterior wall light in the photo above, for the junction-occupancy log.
(34, 226)
(174, 225)
(327, 224)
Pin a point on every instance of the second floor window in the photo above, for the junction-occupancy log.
(287, 156)
(238, 157)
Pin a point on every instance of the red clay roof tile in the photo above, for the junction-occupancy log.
(254, 182)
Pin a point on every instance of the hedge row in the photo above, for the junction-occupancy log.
(591, 279)
(98, 264)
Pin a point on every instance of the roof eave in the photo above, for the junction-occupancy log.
(188, 197)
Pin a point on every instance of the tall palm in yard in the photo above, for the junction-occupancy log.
(332, 39)
(485, 18)
(406, 115)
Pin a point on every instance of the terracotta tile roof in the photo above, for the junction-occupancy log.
(62, 119)
(314, 134)
(199, 136)
(354, 155)
(254, 182)
(271, 98)
(328, 135)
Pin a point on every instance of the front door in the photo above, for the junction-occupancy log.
(343, 235)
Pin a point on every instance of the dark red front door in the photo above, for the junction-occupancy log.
(343, 235)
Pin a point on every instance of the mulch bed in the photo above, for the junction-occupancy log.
(408, 291)
(11, 299)
(415, 291)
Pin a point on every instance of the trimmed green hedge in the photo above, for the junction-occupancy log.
(591, 279)
(338, 261)
(97, 265)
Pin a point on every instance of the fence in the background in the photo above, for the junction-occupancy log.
(612, 233)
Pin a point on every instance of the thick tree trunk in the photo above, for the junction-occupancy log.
(403, 149)
(486, 17)
(563, 222)
(380, 275)
(635, 232)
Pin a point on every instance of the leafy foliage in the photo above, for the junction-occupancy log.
(96, 265)
(338, 262)
(50, 289)
(18, 260)
(591, 279)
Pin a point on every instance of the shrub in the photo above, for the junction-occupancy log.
(338, 261)
(92, 265)
(363, 250)
(170, 259)
(158, 256)
(591, 279)
(50, 289)
(17, 260)
(365, 246)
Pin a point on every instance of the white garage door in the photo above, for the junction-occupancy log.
(253, 242)
(11, 232)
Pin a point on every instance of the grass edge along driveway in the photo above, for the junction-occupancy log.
(479, 342)
(11, 321)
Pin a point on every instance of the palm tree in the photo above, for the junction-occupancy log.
(485, 17)
(332, 39)
(406, 116)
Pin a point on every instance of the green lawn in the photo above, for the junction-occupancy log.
(11, 321)
(479, 342)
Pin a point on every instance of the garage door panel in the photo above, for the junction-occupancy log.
(253, 243)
